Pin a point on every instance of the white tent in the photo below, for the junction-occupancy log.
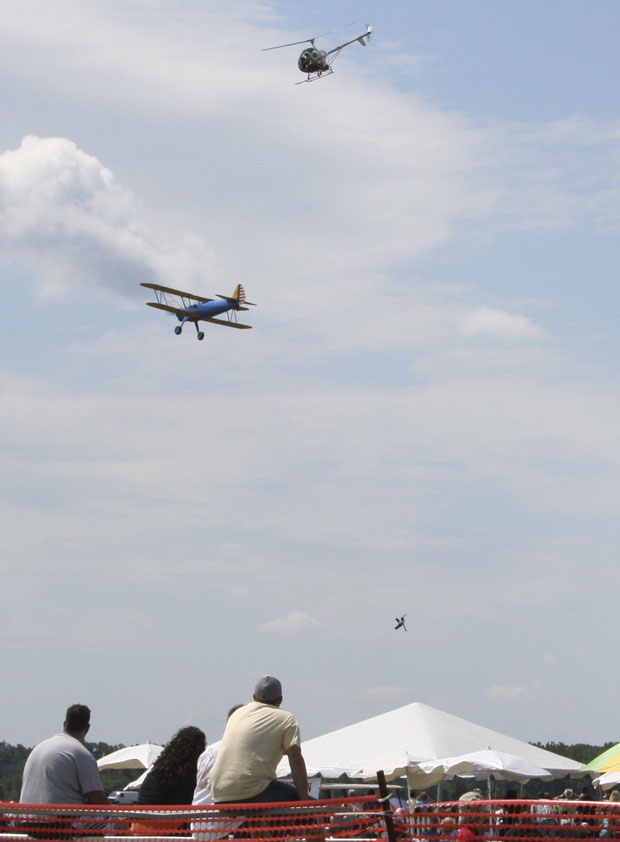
(398, 741)
(132, 757)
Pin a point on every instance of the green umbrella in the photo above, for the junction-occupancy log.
(608, 761)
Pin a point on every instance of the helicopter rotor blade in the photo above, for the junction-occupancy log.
(337, 29)
(292, 44)
(309, 40)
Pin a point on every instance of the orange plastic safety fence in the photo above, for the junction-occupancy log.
(347, 819)
(316, 821)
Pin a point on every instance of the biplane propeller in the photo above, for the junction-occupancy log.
(195, 308)
(316, 63)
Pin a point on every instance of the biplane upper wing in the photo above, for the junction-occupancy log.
(171, 291)
(178, 311)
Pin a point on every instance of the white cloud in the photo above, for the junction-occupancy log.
(499, 691)
(294, 623)
(63, 214)
(528, 687)
(487, 321)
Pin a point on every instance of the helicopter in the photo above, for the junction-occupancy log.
(316, 63)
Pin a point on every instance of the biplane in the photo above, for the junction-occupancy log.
(188, 307)
(316, 63)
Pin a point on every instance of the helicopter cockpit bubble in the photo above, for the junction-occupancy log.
(312, 60)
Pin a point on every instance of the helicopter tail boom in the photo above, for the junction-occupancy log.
(361, 39)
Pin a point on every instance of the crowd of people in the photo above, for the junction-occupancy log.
(241, 767)
(472, 818)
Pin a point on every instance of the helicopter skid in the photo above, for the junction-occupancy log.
(312, 77)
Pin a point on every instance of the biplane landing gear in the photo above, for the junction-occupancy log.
(201, 335)
(178, 330)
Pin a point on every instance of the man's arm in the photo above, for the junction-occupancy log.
(96, 797)
(298, 770)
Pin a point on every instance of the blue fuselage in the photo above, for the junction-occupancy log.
(208, 309)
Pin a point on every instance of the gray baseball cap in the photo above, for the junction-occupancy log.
(268, 689)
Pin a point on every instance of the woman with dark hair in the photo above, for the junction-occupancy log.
(172, 779)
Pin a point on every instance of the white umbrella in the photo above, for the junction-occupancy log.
(138, 781)
(498, 764)
(132, 757)
(607, 781)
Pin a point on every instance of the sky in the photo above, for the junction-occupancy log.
(423, 419)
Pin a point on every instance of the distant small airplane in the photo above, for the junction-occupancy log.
(316, 63)
(400, 623)
(204, 310)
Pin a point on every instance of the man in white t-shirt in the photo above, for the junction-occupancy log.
(256, 738)
(206, 761)
(61, 770)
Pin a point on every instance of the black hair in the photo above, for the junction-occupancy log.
(77, 718)
(179, 757)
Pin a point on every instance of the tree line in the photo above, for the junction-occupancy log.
(13, 758)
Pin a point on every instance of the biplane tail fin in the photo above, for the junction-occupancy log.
(238, 297)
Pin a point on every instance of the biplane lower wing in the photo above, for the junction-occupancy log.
(194, 316)
(171, 291)
(178, 311)
(227, 324)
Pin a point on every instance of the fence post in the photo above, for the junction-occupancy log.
(387, 809)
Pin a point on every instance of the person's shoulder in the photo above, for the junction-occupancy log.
(74, 745)
(287, 719)
(54, 743)
(55, 738)
(286, 714)
(261, 710)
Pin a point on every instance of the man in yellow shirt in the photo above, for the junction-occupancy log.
(256, 738)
